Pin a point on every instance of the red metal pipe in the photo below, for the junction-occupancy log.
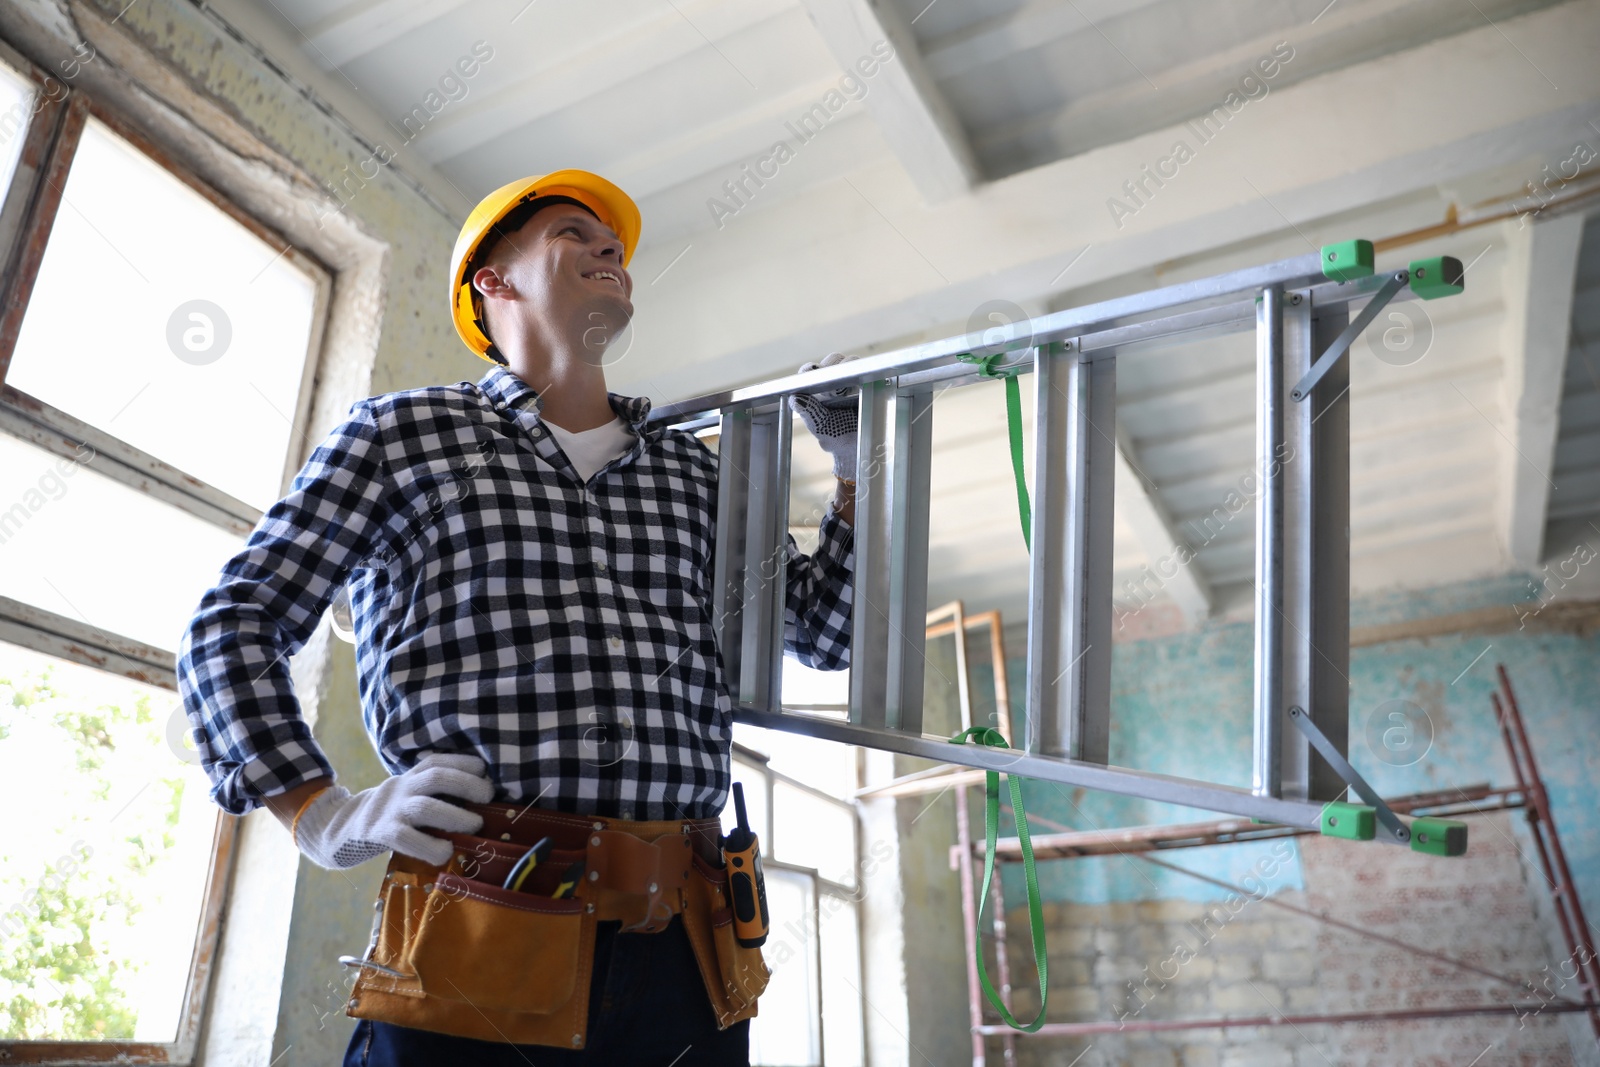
(1112, 1026)
(1569, 908)
(1563, 919)
(1002, 959)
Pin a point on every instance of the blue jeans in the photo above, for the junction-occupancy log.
(647, 1006)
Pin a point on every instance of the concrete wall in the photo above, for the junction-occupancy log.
(1182, 705)
(913, 955)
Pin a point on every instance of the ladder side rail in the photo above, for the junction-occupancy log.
(1218, 320)
(1149, 785)
(870, 609)
(935, 362)
(1329, 412)
(1316, 464)
(1269, 562)
(910, 478)
(1297, 272)
(1299, 505)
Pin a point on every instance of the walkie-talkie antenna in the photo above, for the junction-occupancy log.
(738, 805)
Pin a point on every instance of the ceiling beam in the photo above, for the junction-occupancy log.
(840, 268)
(715, 149)
(1033, 25)
(902, 97)
(1088, 120)
(1172, 566)
(358, 29)
(1539, 284)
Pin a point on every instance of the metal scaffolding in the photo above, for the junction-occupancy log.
(1065, 843)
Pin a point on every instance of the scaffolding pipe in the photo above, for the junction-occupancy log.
(1552, 857)
(1339, 1018)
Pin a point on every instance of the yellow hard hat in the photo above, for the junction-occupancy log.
(610, 205)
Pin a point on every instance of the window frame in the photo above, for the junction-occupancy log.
(756, 764)
(28, 209)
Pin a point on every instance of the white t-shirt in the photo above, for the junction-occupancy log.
(589, 450)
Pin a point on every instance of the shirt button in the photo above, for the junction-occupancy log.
(615, 642)
(600, 565)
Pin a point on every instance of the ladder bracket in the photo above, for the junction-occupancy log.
(989, 366)
(1391, 822)
(1347, 260)
(1354, 822)
(1439, 837)
(1437, 277)
(1342, 343)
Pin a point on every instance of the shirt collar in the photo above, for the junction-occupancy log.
(505, 390)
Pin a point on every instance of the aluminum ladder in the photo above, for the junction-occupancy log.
(1301, 310)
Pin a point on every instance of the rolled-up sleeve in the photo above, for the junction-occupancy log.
(816, 617)
(233, 669)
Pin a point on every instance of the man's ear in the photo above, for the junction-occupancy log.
(490, 282)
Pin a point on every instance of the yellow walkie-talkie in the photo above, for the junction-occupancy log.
(741, 855)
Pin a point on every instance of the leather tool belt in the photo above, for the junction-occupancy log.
(454, 953)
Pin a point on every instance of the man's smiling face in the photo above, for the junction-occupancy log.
(563, 269)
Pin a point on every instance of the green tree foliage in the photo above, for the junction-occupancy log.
(58, 980)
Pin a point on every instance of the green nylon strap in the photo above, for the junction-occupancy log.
(990, 367)
(985, 735)
(1014, 426)
(988, 735)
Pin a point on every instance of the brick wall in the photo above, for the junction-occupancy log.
(1177, 959)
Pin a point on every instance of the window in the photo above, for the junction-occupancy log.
(794, 786)
(155, 345)
(16, 101)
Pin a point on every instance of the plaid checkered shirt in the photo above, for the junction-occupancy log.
(561, 630)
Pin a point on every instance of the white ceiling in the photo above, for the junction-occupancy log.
(979, 164)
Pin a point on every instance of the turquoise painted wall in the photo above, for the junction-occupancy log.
(1181, 705)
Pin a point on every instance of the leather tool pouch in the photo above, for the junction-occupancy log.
(475, 960)
(734, 975)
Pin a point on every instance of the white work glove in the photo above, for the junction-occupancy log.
(831, 417)
(339, 829)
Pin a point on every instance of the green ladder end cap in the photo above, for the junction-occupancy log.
(1354, 822)
(1439, 837)
(1436, 277)
(1347, 260)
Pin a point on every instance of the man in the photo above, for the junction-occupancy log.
(529, 571)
